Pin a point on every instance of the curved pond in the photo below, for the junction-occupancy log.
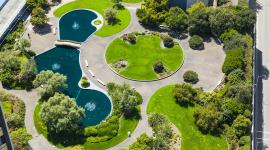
(65, 60)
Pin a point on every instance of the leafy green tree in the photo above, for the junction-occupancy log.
(110, 15)
(229, 35)
(142, 143)
(128, 104)
(156, 119)
(49, 83)
(20, 139)
(22, 45)
(242, 92)
(241, 125)
(28, 73)
(61, 114)
(208, 118)
(245, 20)
(36, 3)
(205, 98)
(221, 20)
(199, 22)
(39, 17)
(196, 7)
(184, 94)
(231, 108)
(177, 19)
(235, 77)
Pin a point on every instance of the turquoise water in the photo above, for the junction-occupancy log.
(76, 25)
(65, 60)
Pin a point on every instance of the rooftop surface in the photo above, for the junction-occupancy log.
(8, 13)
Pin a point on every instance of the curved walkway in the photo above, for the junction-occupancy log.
(207, 63)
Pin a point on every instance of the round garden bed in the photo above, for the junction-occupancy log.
(143, 57)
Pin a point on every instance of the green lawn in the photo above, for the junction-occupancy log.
(125, 126)
(142, 55)
(99, 6)
(163, 102)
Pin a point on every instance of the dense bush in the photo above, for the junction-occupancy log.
(235, 77)
(168, 42)
(231, 108)
(208, 119)
(196, 42)
(191, 77)
(20, 139)
(159, 67)
(184, 94)
(156, 119)
(110, 15)
(177, 19)
(234, 60)
(84, 82)
(241, 125)
(39, 17)
(131, 38)
(199, 22)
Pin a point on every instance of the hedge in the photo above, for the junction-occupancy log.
(234, 60)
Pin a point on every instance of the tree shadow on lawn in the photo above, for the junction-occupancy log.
(115, 22)
(135, 114)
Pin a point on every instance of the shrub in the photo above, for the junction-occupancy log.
(196, 42)
(241, 125)
(20, 138)
(39, 17)
(131, 38)
(235, 77)
(110, 15)
(191, 77)
(159, 67)
(168, 42)
(156, 119)
(184, 94)
(84, 82)
(234, 60)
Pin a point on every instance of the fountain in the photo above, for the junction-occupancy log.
(90, 106)
(75, 26)
(56, 66)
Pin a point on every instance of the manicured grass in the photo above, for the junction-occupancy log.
(125, 126)
(132, 1)
(99, 6)
(192, 139)
(142, 55)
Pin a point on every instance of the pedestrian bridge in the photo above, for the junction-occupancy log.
(69, 43)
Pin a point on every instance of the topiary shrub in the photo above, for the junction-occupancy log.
(196, 42)
(234, 60)
(159, 67)
(168, 42)
(131, 38)
(191, 77)
(84, 82)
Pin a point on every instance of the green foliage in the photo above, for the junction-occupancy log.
(168, 42)
(222, 2)
(221, 20)
(159, 67)
(241, 125)
(245, 20)
(196, 7)
(153, 12)
(142, 143)
(191, 77)
(231, 108)
(49, 83)
(208, 119)
(234, 60)
(199, 22)
(84, 82)
(36, 3)
(20, 139)
(229, 35)
(235, 77)
(61, 114)
(110, 15)
(156, 119)
(14, 121)
(184, 94)
(131, 38)
(242, 92)
(196, 42)
(39, 17)
(248, 57)
(205, 98)
(177, 19)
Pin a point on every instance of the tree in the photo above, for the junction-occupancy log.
(184, 94)
(20, 139)
(208, 118)
(231, 108)
(39, 17)
(241, 91)
(156, 119)
(177, 19)
(28, 73)
(22, 45)
(128, 104)
(110, 15)
(245, 20)
(159, 67)
(143, 142)
(36, 3)
(199, 22)
(235, 77)
(221, 20)
(49, 83)
(61, 114)
(241, 125)
(196, 7)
